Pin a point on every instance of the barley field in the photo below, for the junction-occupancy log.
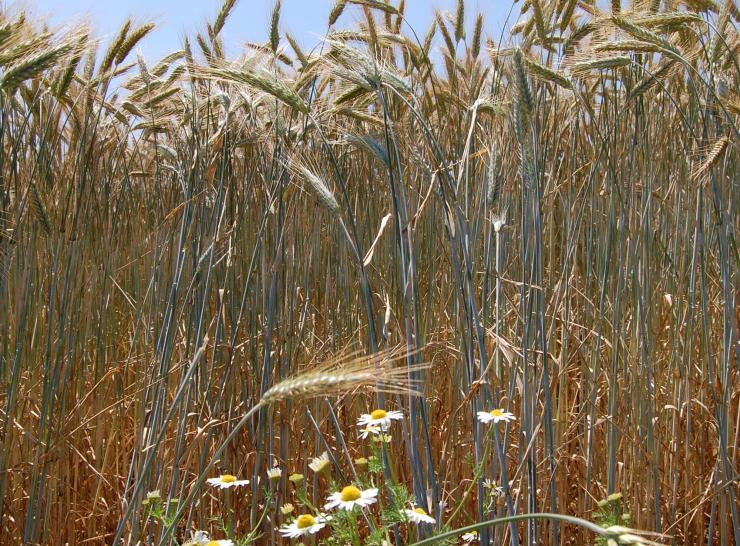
(400, 286)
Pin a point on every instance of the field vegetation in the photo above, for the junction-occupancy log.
(212, 267)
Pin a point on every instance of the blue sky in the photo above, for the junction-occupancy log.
(305, 19)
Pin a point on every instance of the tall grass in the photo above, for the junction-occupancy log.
(178, 237)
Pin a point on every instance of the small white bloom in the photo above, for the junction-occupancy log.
(347, 498)
(495, 416)
(379, 418)
(419, 515)
(303, 525)
(370, 430)
(470, 537)
(201, 538)
(274, 473)
(224, 481)
(320, 464)
(499, 221)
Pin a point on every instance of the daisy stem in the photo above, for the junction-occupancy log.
(230, 516)
(509, 519)
(476, 476)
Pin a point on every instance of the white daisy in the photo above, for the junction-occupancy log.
(320, 464)
(350, 496)
(303, 525)
(499, 221)
(224, 481)
(379, 418)
(419, 515)
(201, 538)
(274, 473)
(495, 416)
(470, 537)
(369, 430)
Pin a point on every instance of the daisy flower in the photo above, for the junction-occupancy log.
(369, 430)
(224, 481)
(303, 525)
(495, 416)
(379, 418)
(419, 515)
(347, 498)
(472, 536)
(274, 473)
(320, 464)
(201, 538)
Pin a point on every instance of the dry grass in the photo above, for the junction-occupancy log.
(169, 254)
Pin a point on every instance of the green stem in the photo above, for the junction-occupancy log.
(509, 519)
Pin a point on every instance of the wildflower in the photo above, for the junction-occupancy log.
(496, 415)
(379, 418)
(470, 537)
(303, 525)
(224, 481)
(499, 221)
(201, 538)
(492, 486)
(320, 464)
(274, 473)
(418, 515)
(153, 495)
(368, 430)
(286, 509)
(350, 496)
(362, 462)
(296, 478)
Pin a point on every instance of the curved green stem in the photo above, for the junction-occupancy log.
(509, 519)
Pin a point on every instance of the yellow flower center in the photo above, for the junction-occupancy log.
(379, 414)
(497, 413)
(350, 493)
(304, 521)
(227, 478)
(213, 543)
(420, 511)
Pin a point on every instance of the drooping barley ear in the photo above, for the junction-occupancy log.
(110, 54)
(724, 17)
(600, 64)
(143, 70)
(32, 66)
(39, 210)
(713, 157)
(616, 7)
(493, 180)
(524, 93)
(204, 47)
(477, 36)
(336, 11)
(646, 36)
(567, 14)
(65, 78)
(223, 14)
(650, 80)
(376, 4)
(130, 42)
(428, 37)
(274, 24)
(627, 45)
(445, 33)
(372, 31)
(543, 73)
(297, 49)
(460, 20)
(540, 24)
(399, 19)
(263, 80)
(348, 373)
(320, 188)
